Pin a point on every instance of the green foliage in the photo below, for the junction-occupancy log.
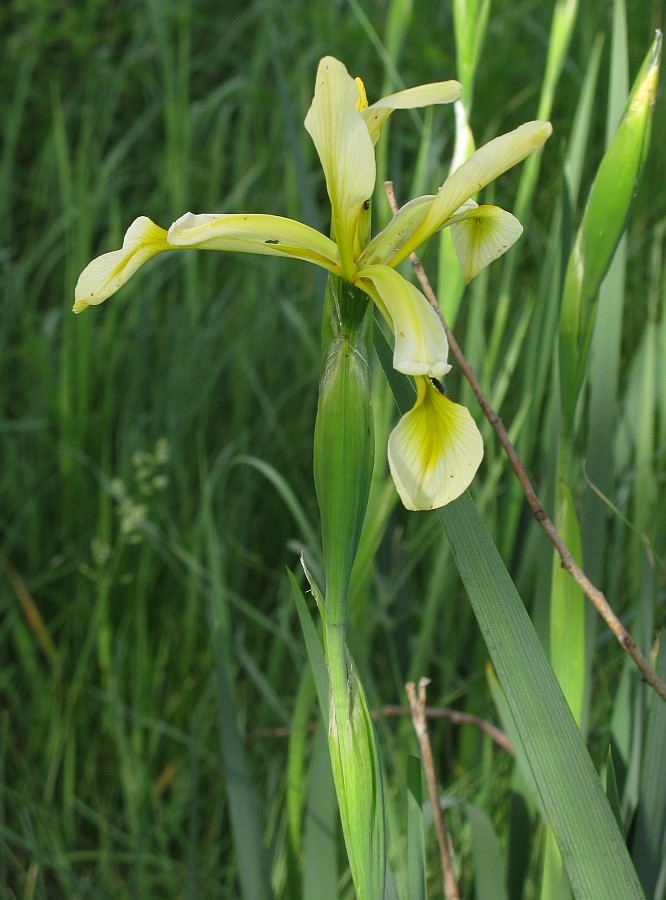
(153, 658)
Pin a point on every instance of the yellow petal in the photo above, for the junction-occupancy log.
(413, 98)
(103, 276)
(254, 233)
(434, 451)
(345, 151)
(483, 166)
(481, 234)
(386, 244)
(421, 347)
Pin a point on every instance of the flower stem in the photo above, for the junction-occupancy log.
(343, 460)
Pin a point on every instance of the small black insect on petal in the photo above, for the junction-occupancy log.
(437, 385)
(366, 205)
(271, 241)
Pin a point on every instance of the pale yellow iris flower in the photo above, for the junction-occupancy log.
(436, 449)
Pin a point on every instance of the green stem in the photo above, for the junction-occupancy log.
(343, 461)
(336, 660)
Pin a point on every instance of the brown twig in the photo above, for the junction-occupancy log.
(417, 707)
(431, 712)
(568, 562)
(458, 718)
(31, 612)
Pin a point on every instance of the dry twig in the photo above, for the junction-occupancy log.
(417, 706)
(431, 712)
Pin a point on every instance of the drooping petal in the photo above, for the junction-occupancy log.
(105, 275)
(483, 166)
(386, 244)
(255, 233)
(481, 234)
(434, 451)
(421, 347)
(345, 151)
(413, 98)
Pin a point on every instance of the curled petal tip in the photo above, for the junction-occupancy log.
(107, 273)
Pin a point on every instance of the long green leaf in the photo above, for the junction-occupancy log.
(312, 644)
(605, 349)
(592, 847)
(567, 610)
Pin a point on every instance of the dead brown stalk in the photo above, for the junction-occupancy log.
(418, 707)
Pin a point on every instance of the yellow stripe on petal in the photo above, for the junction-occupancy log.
(413, 98)
(383, 247)
(345, 151)
(434, 451)
(255, 233)
(483, 166)
(105, 275)
(420, 347)
(481, 234)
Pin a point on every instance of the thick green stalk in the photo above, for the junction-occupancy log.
(343, 461)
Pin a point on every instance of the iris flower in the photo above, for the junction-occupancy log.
(435, 449)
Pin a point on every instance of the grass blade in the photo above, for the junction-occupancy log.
(320, 846)
(415, 837)
(253, 868)
(490, 880)
(650, 837)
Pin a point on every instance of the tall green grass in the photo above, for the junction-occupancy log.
(157, 699)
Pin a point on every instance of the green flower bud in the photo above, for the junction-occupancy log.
(344, 436)
(604, 220)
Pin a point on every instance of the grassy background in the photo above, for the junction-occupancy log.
(143, 548)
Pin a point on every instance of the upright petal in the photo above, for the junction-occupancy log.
(434, 451)
(481, 234)
(103, 276)
(483, 166)
(345, 151)
(421, 347)
(255, 233)
(413, 98)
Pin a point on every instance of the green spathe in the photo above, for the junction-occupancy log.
(344, 436)
(604, 221)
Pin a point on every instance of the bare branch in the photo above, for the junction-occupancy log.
(417, 706)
